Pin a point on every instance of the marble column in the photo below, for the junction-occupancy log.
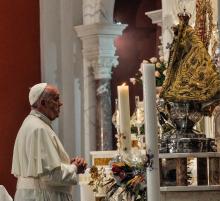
(99, 58)
(98, 11)
(102, 75)
(103, 115)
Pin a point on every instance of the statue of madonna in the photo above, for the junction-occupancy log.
(191, 75)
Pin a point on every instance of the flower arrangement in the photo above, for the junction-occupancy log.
(127, 181)
(98, 178)
(160, 71)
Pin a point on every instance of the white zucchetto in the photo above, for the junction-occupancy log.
(35, 92)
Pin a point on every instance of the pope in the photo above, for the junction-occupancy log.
(43, 168)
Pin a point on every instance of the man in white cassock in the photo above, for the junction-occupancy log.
(42, 166)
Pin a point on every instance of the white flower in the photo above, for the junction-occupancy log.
(161, 59)
(157, 74)
(165, 72)
(158, 64)
(153, 60)
(145, 62)
(141, 69)
(133, 80)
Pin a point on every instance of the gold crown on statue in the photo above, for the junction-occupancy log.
(184, 16)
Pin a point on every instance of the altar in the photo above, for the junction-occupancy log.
(206, 187)
(202, 193)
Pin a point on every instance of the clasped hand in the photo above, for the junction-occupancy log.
(80, 163)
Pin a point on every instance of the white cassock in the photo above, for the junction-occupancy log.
(40, 162)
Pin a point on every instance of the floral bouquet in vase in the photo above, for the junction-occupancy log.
(160, 71)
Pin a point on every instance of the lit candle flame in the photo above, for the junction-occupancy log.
(124, 84)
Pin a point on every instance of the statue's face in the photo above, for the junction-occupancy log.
(175, 29)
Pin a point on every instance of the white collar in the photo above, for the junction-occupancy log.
(41, 116)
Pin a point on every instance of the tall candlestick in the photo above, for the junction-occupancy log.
(149, 88)
(124, 115)
(138, 112)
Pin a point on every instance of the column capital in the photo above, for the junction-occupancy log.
(102, 66)
(98, 46)
(155, 16)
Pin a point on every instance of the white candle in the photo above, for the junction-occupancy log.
(124, 116)
(149, 88)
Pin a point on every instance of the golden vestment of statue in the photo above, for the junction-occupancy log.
(191, 75)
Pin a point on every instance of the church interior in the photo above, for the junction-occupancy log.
(88, 49)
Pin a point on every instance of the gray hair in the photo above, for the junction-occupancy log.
(44, 96)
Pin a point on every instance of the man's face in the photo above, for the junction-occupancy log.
(53, 103)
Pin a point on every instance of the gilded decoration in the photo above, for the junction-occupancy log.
(102, 161)
(204, 14)
(191, 75)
